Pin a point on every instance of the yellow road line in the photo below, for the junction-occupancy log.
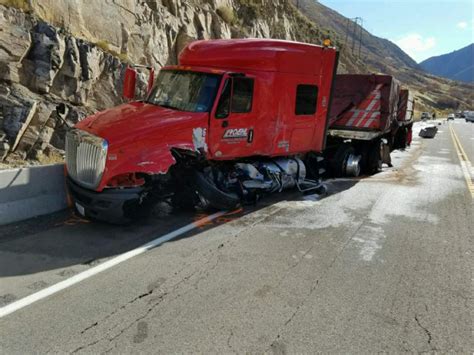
(466, 165)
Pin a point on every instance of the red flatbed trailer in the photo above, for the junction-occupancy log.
(363, 106)
(369, 117)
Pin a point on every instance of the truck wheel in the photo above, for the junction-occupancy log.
(401, 138)
(217, 198)
(346, 162)
(409, 135)
(374, 157)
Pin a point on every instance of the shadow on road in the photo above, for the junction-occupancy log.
(62, 240)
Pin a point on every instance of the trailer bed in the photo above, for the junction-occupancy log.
(363, 106)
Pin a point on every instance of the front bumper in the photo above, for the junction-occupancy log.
(111, 205)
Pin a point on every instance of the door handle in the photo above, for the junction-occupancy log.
(250, 136)
(225, 124)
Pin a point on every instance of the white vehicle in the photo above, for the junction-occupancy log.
(426, 116)
(451, 116)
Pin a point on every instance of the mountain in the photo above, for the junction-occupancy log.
(457, 65)
(379, 55)
(376, 54)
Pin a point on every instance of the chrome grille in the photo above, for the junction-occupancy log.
(85, 157)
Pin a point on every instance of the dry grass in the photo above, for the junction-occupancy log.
(18, 4)
(105, 46)
(227, 14)
(53, 157)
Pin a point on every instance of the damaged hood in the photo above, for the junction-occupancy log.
(138, 120)
(140, 137)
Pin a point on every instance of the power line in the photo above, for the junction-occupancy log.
(353, 36)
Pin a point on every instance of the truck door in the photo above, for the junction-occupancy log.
(309, 103)
(234, 122)
(304, 94)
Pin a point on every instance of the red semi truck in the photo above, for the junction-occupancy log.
(234, 120)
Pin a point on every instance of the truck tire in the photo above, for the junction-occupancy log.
(401, 138)
(340, 161)
(409, 134)
(217, 198)
(374, 157)
(371, 157)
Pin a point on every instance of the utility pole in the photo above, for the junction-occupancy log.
(347, 33)
(354, 32)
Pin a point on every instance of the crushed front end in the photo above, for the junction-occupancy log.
(86, 156)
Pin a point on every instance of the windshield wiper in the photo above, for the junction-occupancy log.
(165, 105)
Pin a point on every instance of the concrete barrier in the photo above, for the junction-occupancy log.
(30, 192)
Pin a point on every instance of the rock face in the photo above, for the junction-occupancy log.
(73, 53)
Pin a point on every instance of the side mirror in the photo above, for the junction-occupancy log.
(129, 83)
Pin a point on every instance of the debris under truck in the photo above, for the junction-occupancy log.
(364, 123)
(234, 120)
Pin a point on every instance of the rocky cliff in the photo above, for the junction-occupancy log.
(72, 54)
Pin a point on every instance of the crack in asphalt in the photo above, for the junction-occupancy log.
(206, 270)
(106, 337)
(111, 314)
(122, 307)
(229, 345)
(150, 309)
(316, 283)
(427, 332)
(139, 297)
(200, 272)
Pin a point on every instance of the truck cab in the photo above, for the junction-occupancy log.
(227, 112)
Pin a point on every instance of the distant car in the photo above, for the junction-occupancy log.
(451, 116)
(469, 116)
(425, 116)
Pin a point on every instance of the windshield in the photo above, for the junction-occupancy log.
(185, 90)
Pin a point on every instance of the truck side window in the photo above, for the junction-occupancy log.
(243, 94)
(306, 98)
(223, 107)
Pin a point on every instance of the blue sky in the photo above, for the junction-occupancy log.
(422, 28)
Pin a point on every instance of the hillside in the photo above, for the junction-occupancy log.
(378, 55)
(457, 65)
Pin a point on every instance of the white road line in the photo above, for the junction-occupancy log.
(15, 306)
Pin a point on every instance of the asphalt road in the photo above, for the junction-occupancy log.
(381, 264)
